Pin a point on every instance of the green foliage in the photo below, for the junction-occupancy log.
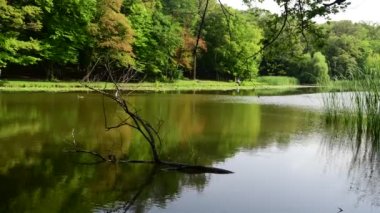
(231, 45)
(184, 11)
(320, 69)
(304, 71)
(65, 33)
(314, 69)
(346, 48)
(158, 36)
(344, 44)
(372, 65)
(17, 23)
(285, 55)
(11, 48)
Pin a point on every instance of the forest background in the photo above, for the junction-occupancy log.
(168, 40)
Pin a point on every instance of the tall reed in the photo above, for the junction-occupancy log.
(358, 112)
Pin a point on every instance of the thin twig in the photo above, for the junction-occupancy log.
(125, 123)
(227, 15)
(88, 152)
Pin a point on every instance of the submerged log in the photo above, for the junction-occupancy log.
(181, 167)
(196, 169)
(165, 165)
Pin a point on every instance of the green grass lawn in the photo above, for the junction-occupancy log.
(180, 85)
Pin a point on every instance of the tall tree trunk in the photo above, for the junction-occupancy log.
(199, 33)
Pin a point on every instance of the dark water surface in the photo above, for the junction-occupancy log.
(282, 156)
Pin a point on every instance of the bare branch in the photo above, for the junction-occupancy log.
(88, 152)
(334, 3)
(125, 123)
(89, 73)
(134, 120)
(227, 15)
(302, 22)
(199, 33)
(76, 148)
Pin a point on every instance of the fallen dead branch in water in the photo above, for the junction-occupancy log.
(134, 121)
(164, 165)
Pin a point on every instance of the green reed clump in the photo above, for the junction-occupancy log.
(337, 107)
(357, 110)
(353, 119)
(368, 105)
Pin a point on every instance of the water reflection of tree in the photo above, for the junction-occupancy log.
(37, 176)
(55, 184)
(151, 191)
(125, 206)
(363, 155)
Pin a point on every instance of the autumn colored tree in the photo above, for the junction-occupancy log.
(187, 13)
(113, 35)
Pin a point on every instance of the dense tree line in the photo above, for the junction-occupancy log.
(173, 39)
(337, 50)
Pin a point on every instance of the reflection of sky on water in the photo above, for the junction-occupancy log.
(295, 179)
(308, 101)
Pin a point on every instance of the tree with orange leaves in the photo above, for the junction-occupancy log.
(113, 35)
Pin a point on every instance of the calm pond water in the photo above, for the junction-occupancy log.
(283, 158)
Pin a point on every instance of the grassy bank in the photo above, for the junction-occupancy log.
(181, 85)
